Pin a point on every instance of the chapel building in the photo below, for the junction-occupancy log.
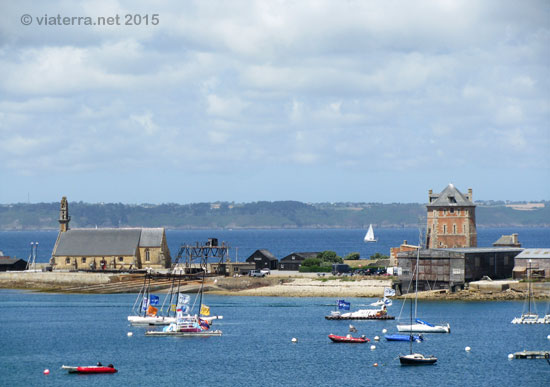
(108, 248)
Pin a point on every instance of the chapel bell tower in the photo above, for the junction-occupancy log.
(64, 217)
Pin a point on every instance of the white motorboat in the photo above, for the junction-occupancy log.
(361, 314)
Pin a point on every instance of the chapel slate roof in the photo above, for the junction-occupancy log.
(151, 237)
(98, 242)
(450, 196)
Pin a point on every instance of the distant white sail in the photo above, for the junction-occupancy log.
(369, 237)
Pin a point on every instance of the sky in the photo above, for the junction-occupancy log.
(315, 101)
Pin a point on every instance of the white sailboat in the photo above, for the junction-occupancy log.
(144, 312)
(369, 236)
(530, 317)
(420, 325)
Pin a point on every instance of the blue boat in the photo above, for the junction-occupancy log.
(399, 337)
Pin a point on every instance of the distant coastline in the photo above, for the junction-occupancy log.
(261, 215)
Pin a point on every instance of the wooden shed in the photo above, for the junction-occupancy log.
(12, 264)
(452, 268)
(263, 259)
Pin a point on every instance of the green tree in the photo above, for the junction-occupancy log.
(329, 256)
(352, 257)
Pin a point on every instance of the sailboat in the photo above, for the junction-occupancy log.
(415, 358)
(530, 317)
(369, 236)
(188, 324)
(144, 311)
(421, 325)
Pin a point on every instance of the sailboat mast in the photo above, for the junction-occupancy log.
(529, 288)
(416, 282)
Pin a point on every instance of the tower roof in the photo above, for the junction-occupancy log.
(450, 196)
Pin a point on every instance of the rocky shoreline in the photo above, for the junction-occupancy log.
(272, 286)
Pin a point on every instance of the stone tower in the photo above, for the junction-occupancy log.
(451, 219)
(64, 217)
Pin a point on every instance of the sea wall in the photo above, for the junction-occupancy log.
(33, 280)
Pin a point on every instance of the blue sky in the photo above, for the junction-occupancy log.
(316, 101)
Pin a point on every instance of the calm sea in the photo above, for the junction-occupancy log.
(45, 331)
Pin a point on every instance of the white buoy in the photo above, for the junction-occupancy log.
(510, 356)
(130, 334)
(294, 340)
(384, 330)
(373, 347)
(46, 371)
(376, 338)
(467, 349)
(548, 337)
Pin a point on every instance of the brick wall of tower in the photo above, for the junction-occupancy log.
(451, 227)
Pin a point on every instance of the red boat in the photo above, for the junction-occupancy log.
(90, 369)
(348, 339)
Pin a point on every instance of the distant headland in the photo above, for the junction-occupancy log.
(262, 214)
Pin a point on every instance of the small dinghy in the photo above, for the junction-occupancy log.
(398, 337)
(98, 369)
(348, 339)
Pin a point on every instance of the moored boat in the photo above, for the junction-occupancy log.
(361, 314)
(530, 317)
(398, 337)
(348, 339)
(417, 359)
(110, 369)
(424, 327)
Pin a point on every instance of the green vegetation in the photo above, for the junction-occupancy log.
(322, 264)
(329, 257)
(352, 257)
(280, 214)
(377, 256)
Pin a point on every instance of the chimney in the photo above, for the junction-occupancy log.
(515, 239)
(470, 195)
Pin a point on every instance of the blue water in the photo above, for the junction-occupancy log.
(45, 331)
(40, 331)
(280, 242)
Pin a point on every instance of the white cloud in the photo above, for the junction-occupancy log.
(394, 85)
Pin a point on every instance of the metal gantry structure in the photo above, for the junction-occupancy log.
(196, 256)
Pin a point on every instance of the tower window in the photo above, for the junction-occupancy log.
(83, 259)
(452, 210)
(444, 229)
(147, 255)
(454, 228)
(67, 260)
